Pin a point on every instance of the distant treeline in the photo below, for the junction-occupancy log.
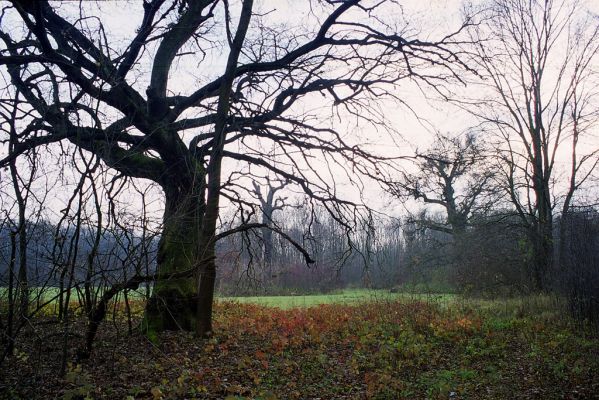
(52, 253)
(490, 258)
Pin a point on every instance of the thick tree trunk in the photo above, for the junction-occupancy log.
(173, 303)
(187, 242)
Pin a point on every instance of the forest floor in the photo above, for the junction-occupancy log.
(399, 348)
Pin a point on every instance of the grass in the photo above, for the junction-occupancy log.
(47, 293)
(343, 297)
(346, 296)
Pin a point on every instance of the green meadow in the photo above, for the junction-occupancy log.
(344, 297)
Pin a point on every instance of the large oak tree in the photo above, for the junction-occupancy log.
(204, 82)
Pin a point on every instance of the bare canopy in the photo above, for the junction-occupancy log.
(71, 84)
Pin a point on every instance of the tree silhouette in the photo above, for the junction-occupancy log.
(72, 82)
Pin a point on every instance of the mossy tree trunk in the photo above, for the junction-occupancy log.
(173, 303)
(190, 218)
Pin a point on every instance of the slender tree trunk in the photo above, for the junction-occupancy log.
(542, 231)
(128, 312)
(207, 269)
(206, 273)
(23, 280)
(99, 312)
(206, 283)
(23, 283)
(61, 282)
(11, 296)
(542, 255)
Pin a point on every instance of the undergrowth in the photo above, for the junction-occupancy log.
(379, 350)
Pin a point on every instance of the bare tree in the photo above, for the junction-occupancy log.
(269, 204)
(82, 87)
(538, 60)
(22, 180)
(453, 174)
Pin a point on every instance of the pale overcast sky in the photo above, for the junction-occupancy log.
(428, 18)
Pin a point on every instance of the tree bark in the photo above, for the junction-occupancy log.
(542, 229)
(172, 305)
(207, 267)
(542, 253)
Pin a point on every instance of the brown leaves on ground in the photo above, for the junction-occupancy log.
(384, 350)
